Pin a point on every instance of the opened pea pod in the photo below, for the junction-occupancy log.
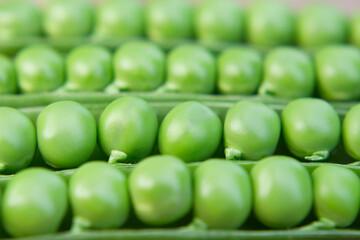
(8, 83)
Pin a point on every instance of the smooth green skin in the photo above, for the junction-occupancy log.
(191, 69)
(190, 131)
(310, 125)
(169, 19)
(139, 66)
(252, 128)
(282, 191)
(8, 83)
(17, 140)
(338, 73)
(34, 203)
(224, 201)
(160, 190)
(66, 133)
(239, 71)
(119, 18)
(354, 26)
(219, 21)
(19, 18)
(320, 24)
(68, 18)
(336, 194)
(130, 125)
(99, 196)
(351, 132)
(39, 69)
(270, 23)
(288, 73)
(88, 68)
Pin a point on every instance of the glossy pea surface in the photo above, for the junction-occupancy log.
(190, 131)
(311, 128)
(191, 69)
(251, 130)
(39, 69)
(160, 190)
(336, 194)
(288, 73)
(34, 203)
(17, 140)
(8, 83)
(224, 201)
(119, 18)
(282, 191)
(219, 21)
(66, 133)
(239, 71)
(351, 132)
(338, 73)
(129, 125)
(88, 68)
(68, 18)
(99, 196)
(139, 66)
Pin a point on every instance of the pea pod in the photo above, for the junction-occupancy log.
(320, 24)
(66, 133)
(338, 71)
(17, 140)
(282, 191)
(311, 128)
(39, 69)
(240, 71)
(251, 131)
(223, 202)
(119, 18)
(128, 125)
(351, 132)
(68, 18)
(160, 190)
(219, 21)
(7, 76)
(190, 131)
(288, 73)
(355, 29)
(99, 197)
(34, 203)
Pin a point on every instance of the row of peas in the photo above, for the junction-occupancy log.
(161, 190)
(66, 132)
(142, 66)
(265, 23)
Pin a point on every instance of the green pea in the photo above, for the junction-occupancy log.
(240, 71)
(351, 132)
(169, 19)
(288, 73)
(34, 203)
(160, 190)
(99, 196)
(320, 24)
(39, 69)
(68, 18)
(129, 125)
(190, 131)
(190, 69)
(19, 18)
(282, 191)
(139, 66)
(66, 133)
(219, 21)
(88, 68)
(270, 23)
(119, 18)
(17, 140)
(338, 73)
(336, 194)
(251, 131)
(224, 201)
(354, 26)
(7, 76)
(311, 128)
